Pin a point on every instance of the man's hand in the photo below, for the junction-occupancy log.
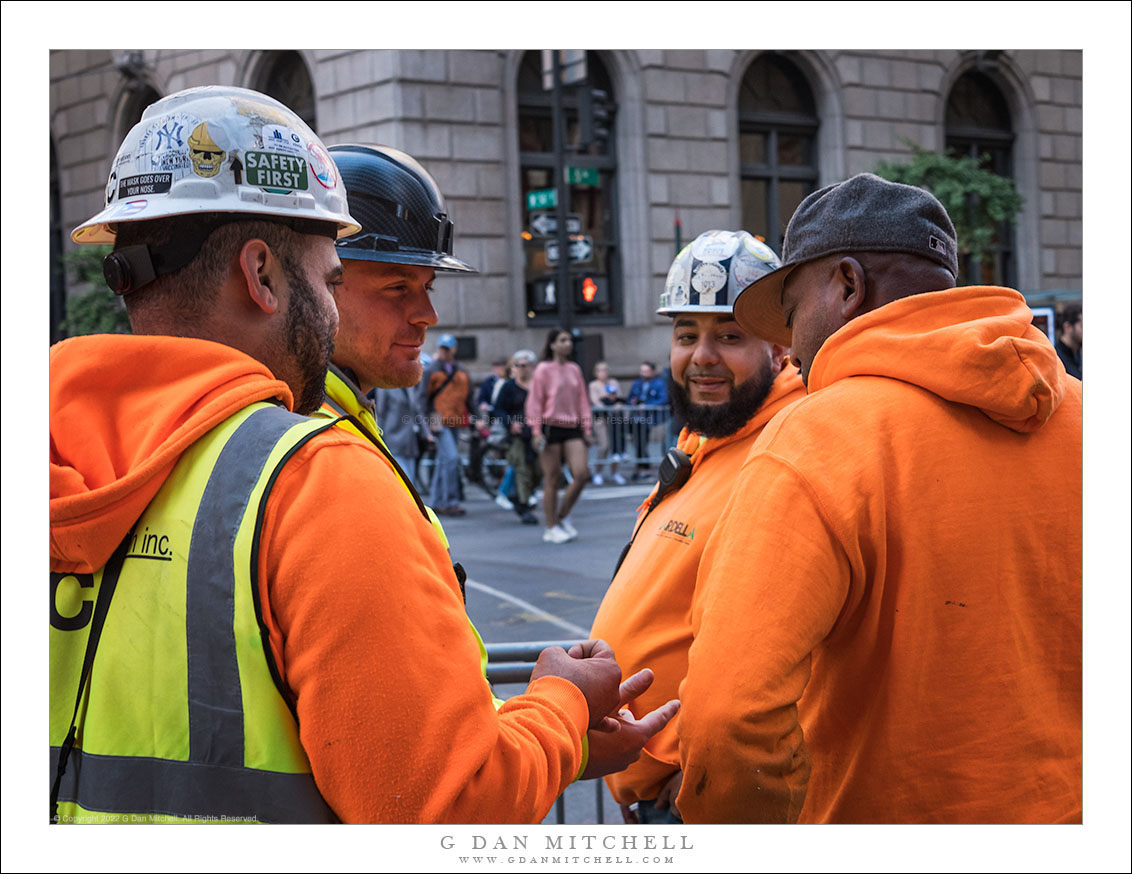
(592, 668)
(667, 796)
(613, 751)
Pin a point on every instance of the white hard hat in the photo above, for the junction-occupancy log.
(220, 150)
(710, 271)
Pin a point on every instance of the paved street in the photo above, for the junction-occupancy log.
(522, 589)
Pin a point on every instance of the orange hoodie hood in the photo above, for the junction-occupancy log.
(974, 345)
(123, 410)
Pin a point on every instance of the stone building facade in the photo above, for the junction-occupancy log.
(697, 139)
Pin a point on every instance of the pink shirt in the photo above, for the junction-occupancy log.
(558, 397)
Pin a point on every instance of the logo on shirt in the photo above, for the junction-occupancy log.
(674, 529)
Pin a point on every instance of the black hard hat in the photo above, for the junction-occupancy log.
(399, 206)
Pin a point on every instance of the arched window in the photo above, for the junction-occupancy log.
(778, 127)
(978, 124)
(591, 195)
(138, 95)
(284, 76)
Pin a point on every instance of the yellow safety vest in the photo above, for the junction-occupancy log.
(183, 718)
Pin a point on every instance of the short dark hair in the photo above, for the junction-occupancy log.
(651, 364)
(189, 293)
(1070, 315)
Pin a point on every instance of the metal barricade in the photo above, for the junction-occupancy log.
(635, 436)
(631, 435)
(513, 663)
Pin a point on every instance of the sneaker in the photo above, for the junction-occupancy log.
(555, 535)
(568, 526)
(502, 501)
(620, 480)
(597, 479)
(528, 518)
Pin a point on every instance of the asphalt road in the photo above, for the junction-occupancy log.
(521, 589)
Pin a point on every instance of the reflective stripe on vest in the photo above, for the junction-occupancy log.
(183, 718)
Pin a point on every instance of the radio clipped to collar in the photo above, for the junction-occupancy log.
(675, 468)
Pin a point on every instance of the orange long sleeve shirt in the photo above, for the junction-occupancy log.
(364, 613)
(646, 612)
(887, 618)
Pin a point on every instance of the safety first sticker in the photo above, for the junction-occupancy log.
(276, 170)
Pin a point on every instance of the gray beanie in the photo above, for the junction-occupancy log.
(862, 214)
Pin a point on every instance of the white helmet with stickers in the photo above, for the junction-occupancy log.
(710, 271)
(221, 150)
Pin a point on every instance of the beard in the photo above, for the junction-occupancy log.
(309, 337)
(721, 420)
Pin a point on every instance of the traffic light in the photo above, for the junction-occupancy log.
(593, 115)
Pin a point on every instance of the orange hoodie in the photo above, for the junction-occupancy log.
(646, 613)
(888, 616)
(364, 613)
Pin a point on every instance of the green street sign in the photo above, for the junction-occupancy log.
(542, 198)
(582, 175)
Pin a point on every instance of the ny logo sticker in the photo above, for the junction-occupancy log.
(169, 135)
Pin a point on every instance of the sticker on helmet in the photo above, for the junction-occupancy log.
(164, 146)
(278, 138)
(128, 208)
(147, 183)
(323, 166)
(745, 270)
(708, 277)
(714, 245)
(759, 249)
(236, 166)
(204, 152)
(275, 170)
(111, 188)
(675, 284)
(258, 113)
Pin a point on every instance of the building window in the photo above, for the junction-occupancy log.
(978, 124)
(591, 195)
(284, 76)
(778, 127)
(137, 96)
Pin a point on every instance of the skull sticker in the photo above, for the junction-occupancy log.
(207, 157)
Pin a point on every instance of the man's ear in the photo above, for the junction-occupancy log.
(778, 357)
(259, 265)
(854, 291)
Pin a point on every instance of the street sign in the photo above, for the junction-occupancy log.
(545, 224)
(581, 250)
(542, 198)
(582, 176)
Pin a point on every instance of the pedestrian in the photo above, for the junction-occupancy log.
(887, 617)
(403, 420)
(558, 411)
(214, 548)
(1070, 339)
(605, 396)
(510, 409)
(448, 386)
(648, 390)
(727, 384)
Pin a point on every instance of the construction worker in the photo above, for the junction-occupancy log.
(232, 636)
(384, 310)
(727, 385)
(891, 600)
